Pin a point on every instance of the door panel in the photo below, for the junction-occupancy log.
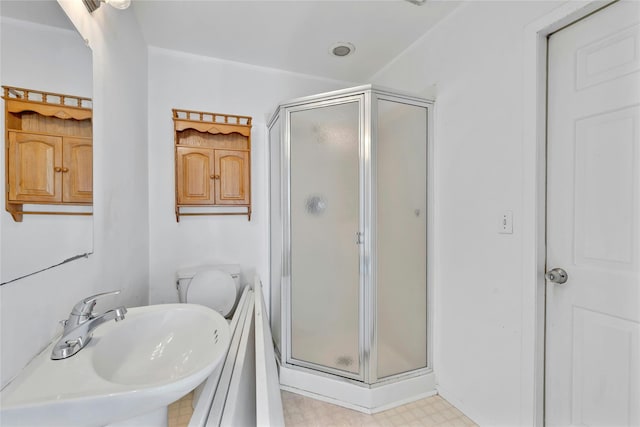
(608, 57)
(34, 167)
(232, 177)
(604, 392)
(593, 221)
(195, 175)
(605, 189)
(77, 176)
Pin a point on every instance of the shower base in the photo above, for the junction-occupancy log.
(365, 398)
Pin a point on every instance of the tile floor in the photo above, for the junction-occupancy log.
(180, 411)
(301, 411)
(432, 411)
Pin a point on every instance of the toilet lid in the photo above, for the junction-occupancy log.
(213, 288)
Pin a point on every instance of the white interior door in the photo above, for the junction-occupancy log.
(593, 220)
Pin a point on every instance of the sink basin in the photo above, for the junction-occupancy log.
(162, 345)
(154, 356)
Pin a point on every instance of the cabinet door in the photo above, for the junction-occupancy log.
(232, 177)
(77, 170)
(194, 176)
(34, 168)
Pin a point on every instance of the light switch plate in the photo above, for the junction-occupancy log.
(506, 223)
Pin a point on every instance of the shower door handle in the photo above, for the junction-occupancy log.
(359, 238)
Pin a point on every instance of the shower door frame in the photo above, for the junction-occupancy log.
(368, 339)
(364, 175)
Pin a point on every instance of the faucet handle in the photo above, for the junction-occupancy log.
(85, 307)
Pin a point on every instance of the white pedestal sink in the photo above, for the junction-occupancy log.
(133, 367)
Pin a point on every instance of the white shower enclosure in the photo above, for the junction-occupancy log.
(349, 216)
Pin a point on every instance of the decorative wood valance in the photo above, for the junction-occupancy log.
(213, 123)
(48, 104)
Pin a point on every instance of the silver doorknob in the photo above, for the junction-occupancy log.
(557, 275)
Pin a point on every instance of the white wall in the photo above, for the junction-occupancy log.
(30, 308)
(475, 60)
(46, 58)
(40, 241)
(179, 80)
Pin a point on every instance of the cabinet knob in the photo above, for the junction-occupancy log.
(65, 170)
(215, 176)
(57, 169)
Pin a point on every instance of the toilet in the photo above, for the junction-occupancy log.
(214, 286)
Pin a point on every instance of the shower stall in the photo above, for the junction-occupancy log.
(349, 215)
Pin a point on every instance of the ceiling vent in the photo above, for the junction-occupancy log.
(342, 49)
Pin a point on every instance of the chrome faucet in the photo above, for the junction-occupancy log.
(80, 325)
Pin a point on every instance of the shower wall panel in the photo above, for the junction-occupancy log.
(275, 233)
(401, 237)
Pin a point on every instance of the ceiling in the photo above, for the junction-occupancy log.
(292, 35)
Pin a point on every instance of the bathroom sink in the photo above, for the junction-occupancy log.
(163, 345)
(154, 356)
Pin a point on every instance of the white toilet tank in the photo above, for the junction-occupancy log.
(214, 286)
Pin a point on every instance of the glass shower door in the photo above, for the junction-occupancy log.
(324, 150)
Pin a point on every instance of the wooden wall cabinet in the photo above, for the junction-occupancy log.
(213, 163)
(49, 151)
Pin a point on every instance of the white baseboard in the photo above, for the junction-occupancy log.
(461, 406)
